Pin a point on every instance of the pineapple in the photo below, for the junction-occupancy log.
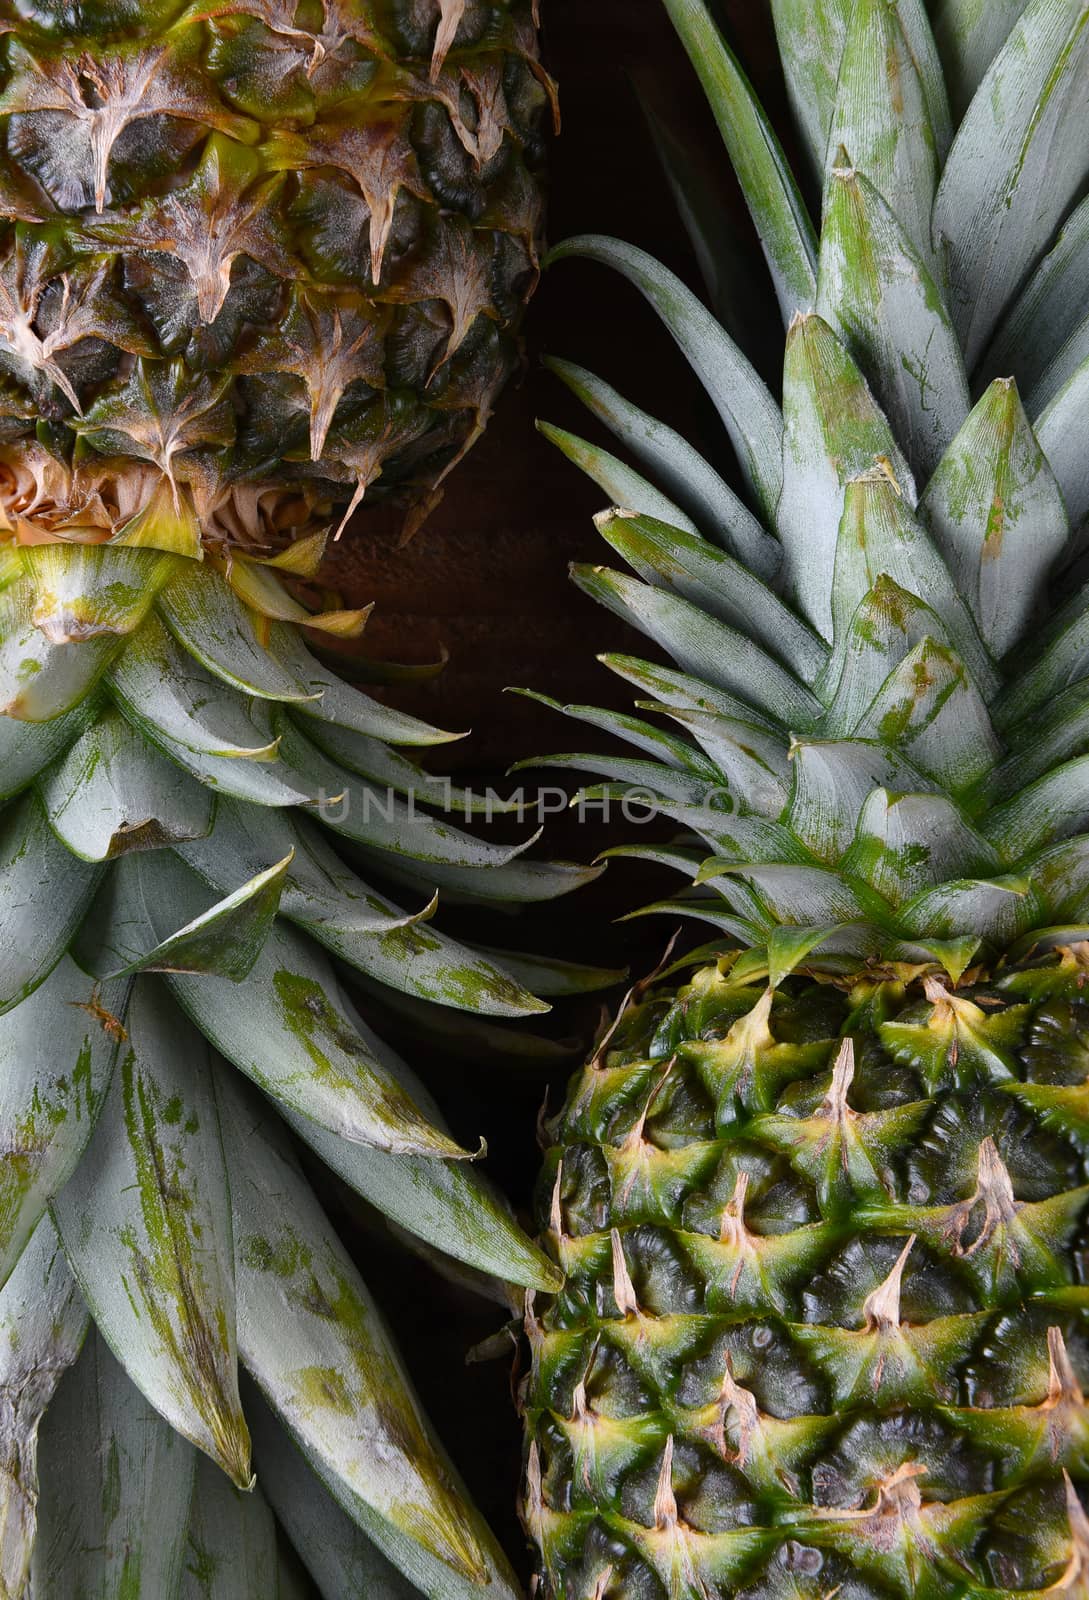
(256, 257)
(821, 1195)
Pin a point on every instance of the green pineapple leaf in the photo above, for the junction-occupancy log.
(223, 940)
(338, 1554)
(112, 793)
(834, 431)
(231, 1551)
(716, 582)
(43, 1321)
(94, 1543)
(57, 1055)
(690, 479)
(312, 1339)
(767, 182)
(44, 895)
(995, 512)
(1043, 337)
(877, 293)
(1019, 159)
(748, 411)
(886, 99)
(616, 479)
(148, 1207)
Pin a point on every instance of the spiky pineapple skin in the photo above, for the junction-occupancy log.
(757, 1389)
(324, 216)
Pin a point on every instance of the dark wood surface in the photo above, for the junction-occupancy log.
(486, 579)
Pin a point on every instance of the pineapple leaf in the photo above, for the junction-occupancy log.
(887, 625)
(1060, 877)
(673, 752)
(83, 591)
(969, 34)
(754, 764)
(777, 208)
(89, 1541)
(222, 941)
(44, 895)
(112, 792)
(881, 537)
(738, 838)
(789, 945)
(702, 645)
(639, 778)
(811, 35)
(834, 430)
(1051, 809)
(231, 1553)
(319, 890)
(930, 709)
(520, 882)
(311, 1337)
(1058, 429)
(712, 911)
(801, 895)
(832, 780)
(1019, 159)
(748, 411)
(719, 513)
(905, 844)
(678, 690)
(208, 620)
(376, 816)
(57, 1054)
(720, 585)
(1043, 741)
(148, 1207)
(294, 1032)
(337, 1553)
(882, 115)
(258, 585)
(174, 701)
(547, 976)
(40, 680)
(998, 910)
(372, 758)
(997, 516)
(27, 748)
(876, 292)
(43, 1321)
(678, 858)
(351, 919)
(344, 706)
(1058, 660)
(616, 479)
(1036, 339)
(447, 1203)
(916, 21)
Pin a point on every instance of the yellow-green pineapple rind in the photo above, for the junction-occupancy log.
(825, 1309)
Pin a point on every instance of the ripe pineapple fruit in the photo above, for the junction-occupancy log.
(822, 1201)
(255, 258)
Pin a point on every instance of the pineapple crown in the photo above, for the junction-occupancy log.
(880, 659)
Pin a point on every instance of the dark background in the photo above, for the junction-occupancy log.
(486, 580)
